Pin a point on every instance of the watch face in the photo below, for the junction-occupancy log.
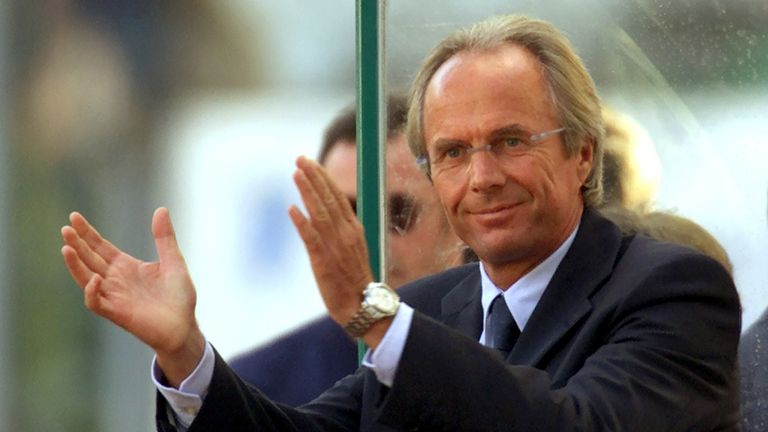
(382, 299)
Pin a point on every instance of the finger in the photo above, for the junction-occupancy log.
(322, 187)
(313, 244)
(91, 296)
(342, 200)
(316, 209)
(79, 271)
(167, 246)
(95, 300)
(87, 256)
(307, 233)
(106, 250)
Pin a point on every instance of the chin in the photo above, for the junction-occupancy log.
(500, 250)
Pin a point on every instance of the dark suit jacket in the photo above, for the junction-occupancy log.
(753, 358)
(295, 368)
(630, 334)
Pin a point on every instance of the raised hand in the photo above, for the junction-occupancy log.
(154, 301)
(334, 239)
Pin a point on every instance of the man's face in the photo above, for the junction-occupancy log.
(513, 214)
(420, 241)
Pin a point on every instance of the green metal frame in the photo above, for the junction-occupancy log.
(371, 132)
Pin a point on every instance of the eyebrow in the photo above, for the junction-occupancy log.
(445, 143)
(504, 131)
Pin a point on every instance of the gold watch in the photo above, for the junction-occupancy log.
(379, 301)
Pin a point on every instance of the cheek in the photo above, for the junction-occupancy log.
(548, 177)
(449, 197)
(409, 245)
(572, 177)
(395, 241)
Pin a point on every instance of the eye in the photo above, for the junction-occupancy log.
(454, 152)
(512, 142)
(403, 212)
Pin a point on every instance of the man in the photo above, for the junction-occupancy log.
(297, 367)
(585, 329)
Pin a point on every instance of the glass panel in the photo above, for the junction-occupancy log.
(687, 82)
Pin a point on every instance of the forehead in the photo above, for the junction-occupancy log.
(478, 91)
(341, 165)
(403, 174)
(399, 158)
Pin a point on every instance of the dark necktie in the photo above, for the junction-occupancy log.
(502, 328)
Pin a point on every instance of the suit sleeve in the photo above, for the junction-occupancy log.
(233, 405)
(657, 353)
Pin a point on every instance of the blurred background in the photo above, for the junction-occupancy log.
(115, 107)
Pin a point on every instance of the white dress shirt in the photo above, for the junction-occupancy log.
(521, 297)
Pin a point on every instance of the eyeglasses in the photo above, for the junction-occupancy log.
(403, 212)
(506, 144)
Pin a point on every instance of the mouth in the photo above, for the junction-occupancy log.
(492, 210)
(494, 215)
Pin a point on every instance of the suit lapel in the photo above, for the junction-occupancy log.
(461, 307)
(566, 299)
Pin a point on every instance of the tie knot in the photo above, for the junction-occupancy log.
(502, 329)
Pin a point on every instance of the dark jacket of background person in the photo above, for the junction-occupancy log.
(754, 376)
(295, 368)
(631, 334)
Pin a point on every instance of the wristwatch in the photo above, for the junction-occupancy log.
(379, 301)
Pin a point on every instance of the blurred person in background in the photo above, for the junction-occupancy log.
(613, 332)
(669, 227)
(753, 361)
(297, 367)
(631, 166)
(631, 179)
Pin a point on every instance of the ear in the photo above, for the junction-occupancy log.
(585, 158)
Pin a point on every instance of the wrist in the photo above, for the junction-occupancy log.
(376, 332)
(378, 303)
(179, 363)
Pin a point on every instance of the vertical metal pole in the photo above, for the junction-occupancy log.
(371, 132)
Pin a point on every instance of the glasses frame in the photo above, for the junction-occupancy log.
(424, 162)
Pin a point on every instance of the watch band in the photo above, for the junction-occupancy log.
(379, 301)
(360, 323)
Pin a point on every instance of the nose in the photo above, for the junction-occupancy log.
(484, 170)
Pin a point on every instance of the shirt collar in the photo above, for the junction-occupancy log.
(523, 296)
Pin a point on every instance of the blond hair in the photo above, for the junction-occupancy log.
(669, 227)
(631, 166)
(571, 87)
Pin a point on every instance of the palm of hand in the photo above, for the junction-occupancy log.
(154, 301)
(148, 300)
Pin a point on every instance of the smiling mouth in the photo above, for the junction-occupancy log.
(493, 210)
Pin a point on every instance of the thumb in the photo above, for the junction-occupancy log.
(165, 238)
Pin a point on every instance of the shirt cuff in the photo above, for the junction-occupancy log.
(188, 399)
(385, 358)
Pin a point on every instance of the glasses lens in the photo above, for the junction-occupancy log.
(403, 212)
